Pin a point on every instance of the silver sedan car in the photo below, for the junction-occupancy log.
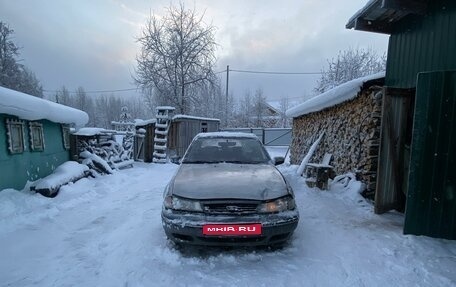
(228, 192)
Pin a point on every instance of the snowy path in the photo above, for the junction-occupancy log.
(107, 232)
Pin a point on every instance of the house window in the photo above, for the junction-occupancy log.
(66, 136)
(36, 136)
(15, 134)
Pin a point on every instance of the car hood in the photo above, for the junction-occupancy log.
(226, 180)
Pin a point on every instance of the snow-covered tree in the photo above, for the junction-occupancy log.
(244, 111)
(177, 54)
(350, 64)
(285, 122)
(14, 75)
(63, 97)
(85, 103)
(259, 108)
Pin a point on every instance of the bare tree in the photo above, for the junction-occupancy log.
(14, 75)
(177, 53)
(9, 68)
(63, 97)
(259, 108)
(284, 106)
(245, 111)
(350, 64)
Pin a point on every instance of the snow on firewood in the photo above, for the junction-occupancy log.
(97, 161)
(337, 95)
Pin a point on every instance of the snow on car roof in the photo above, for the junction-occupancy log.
(32, 108)
(335, 96)
(226, 135)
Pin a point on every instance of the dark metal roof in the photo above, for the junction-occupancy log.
(380, 15)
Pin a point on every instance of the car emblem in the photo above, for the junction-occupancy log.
(232, 208)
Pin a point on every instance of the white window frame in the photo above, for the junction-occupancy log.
(66, 136)
(10, 124)
(36, 132)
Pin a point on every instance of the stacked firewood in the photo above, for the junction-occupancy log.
(352, 136)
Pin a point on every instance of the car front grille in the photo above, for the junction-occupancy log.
(231, 207)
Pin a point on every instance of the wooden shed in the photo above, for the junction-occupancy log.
(417, 158)
(184, 128)
(144, 140)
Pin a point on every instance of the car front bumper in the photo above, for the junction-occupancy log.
(187, 228)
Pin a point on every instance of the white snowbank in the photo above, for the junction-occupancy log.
(107, 231)
(32, 108)
(63, 174)
(335, 96)
(348, 188)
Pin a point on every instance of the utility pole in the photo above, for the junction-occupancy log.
(226, 93)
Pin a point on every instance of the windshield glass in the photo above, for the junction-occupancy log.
(234, 150)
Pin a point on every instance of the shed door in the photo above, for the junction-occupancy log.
(431, 198)
(393, 159)
(139, 147)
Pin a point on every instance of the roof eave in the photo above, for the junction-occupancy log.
(379, 16)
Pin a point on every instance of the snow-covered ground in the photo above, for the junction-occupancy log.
(107, 232)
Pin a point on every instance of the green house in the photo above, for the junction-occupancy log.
(417, 160)
(34, 137)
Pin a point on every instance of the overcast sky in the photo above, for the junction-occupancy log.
(91, 43)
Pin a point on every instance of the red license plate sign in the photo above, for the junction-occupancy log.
(232, 229)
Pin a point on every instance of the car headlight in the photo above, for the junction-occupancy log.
(278, 205)
(176, 203)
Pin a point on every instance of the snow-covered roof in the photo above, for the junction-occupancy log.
(90, 131)
(140, 122)
(226, 135)
(185, 117)
(275, 105)
(335, 96)
(365, 8)
(32, 108)
(165, 108)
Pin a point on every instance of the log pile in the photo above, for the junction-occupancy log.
(352, 136)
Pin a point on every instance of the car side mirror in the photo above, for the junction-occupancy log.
(279, 160)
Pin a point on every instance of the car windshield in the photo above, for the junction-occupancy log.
(232, 150)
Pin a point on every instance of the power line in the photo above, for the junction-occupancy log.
(276, 73)
(219, 72)
(92, 92)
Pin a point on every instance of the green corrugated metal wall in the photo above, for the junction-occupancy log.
(425, 44)
(422, 44)
(431, 199)
(17, 169)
